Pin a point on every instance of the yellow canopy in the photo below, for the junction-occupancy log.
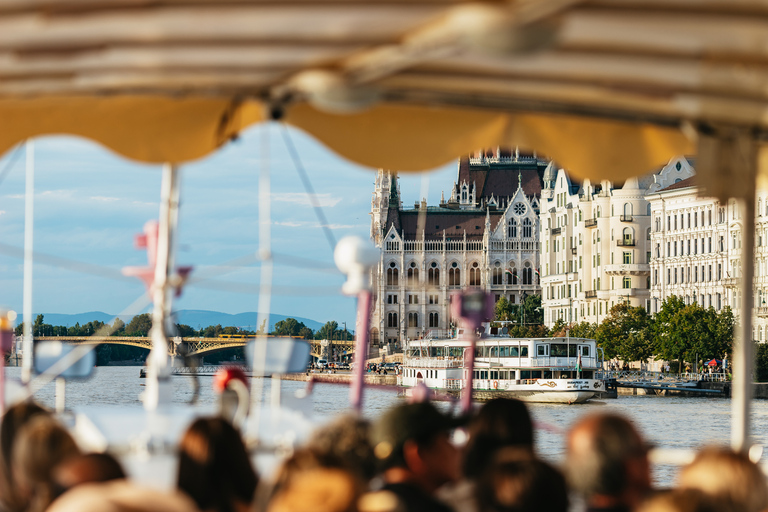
(609, 88)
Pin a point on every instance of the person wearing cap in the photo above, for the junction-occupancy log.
(607, 463)
(412, 444)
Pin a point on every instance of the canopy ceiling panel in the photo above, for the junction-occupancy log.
(607, 88)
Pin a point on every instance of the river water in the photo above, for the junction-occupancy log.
(667, 422)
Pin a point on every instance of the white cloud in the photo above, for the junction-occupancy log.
(324, 200)
(3, 212)
(104, 199)
(290, 224)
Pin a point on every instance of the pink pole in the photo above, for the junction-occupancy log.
(469, 367)
(361, 349)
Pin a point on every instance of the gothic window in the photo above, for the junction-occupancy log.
(392, 275)
(433, 319)
(498, 273)
(527, 274)
(433, 275)
(413, 319)
(511, 275)
(512, 231)
(392, 320)
(464, 194)
(474, 275)
(454, 275)
(627, 210)
(527, 229)
(413, 274)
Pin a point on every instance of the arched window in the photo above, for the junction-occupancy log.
(627, 236)
(433, 275)
(511, 273)
(527, 229)
(627, 210)
(413, 319)
(464, 194)
(598, 212)
(375, 336)
(454, 275)
(413, 273)
(497, 273)
(392, 320)
(527, 274)
(648, 212)
(579, 215)
(433, 320)
(392, 275)
(648, 234)
(512, 231)
(474, 275)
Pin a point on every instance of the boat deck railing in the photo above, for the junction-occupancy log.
(644, 376)
(433, 362)
(588, 363)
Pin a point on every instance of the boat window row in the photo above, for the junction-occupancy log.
(561, 350)
(420, 374)
(501, 351)
(436, 352)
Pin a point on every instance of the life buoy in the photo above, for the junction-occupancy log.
(495, 384)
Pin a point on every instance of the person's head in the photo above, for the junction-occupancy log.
(86, 468)
(723, 473)
(684, 500)
(517, 481)
(415, 438)
(318, 489)
(41, 444)
(214, 467)
(348, 440)
(499, 423)
(608, 459)
(13, 420)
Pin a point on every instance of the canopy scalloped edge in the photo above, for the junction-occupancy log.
(392, 136)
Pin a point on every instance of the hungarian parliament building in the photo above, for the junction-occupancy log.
(516, 225)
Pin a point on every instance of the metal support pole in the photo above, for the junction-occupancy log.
(743, 353)
(361, 349)
(29, 222)
(158, 390)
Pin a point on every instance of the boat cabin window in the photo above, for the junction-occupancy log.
(584, 350)
(542, 350)
(563, 350)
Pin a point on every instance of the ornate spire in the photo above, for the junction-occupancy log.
(394, 200)
(519, 179)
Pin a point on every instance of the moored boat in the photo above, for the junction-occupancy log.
(551, 370)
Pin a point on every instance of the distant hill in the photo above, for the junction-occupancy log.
(193, 317)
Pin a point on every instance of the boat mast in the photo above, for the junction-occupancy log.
(29, 202)
(158, 390)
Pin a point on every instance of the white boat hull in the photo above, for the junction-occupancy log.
(553, 391)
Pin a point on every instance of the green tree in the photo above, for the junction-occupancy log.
(118, 327)
(37, 326)
(289, 327)
(625, 334)
(213, 331)
(327, 331)
(503, 310)
(139, 325)
(761, 362)
(584, 330)
(306, 333)
(186, 331)
(558, 328)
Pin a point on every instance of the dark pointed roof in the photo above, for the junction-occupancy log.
(500, 179)
(453, 222)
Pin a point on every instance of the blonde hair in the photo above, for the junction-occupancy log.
(41, 444)
(684, 500)
(722, 473)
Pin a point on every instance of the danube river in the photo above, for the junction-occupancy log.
(667, 422)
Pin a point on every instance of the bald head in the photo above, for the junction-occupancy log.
(606, 456)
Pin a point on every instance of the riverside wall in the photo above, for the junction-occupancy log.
(343, 378)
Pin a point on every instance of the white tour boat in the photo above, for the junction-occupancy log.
(553, 370)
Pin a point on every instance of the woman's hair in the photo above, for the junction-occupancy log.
(214, 467)
(40, 445)
(499, 423)
(347, 442)
(14, 418)
(519, 482)
(728, 475)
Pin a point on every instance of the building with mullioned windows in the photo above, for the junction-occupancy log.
(596, 243)
(485, 234)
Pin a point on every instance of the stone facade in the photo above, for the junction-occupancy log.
(596, 243)
(485, 235)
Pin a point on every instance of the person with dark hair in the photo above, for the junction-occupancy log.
(13, 420)
(214, 467)
(499, 423)
(41, 444)
(519, 482)
(607, 463)
(412, 444)
(86, 468)
(347, 440)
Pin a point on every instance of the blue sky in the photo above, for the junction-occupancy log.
(89, 204)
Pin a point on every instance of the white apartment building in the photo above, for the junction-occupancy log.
(484, 235)
(596, 243)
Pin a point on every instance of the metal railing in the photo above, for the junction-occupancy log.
(626, 218)
(625, 243)
(590, 223)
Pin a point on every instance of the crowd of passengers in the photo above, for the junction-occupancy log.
(414, 458)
